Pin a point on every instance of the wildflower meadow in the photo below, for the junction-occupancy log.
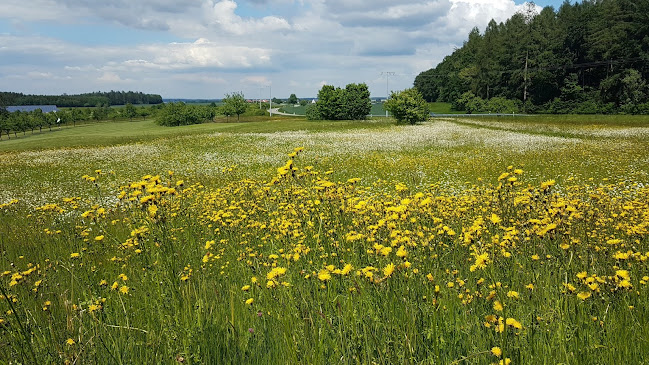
(458, 241)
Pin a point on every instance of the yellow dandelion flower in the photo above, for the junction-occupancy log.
(69, 342)
(74, 255)
(347, 269)
(513, 323)
(93, 308)
(401, 252)
(498, 306)
(99, 238)
(389, 269)
(324, 275)
(249, 301)
(583, 295)
(496, 351)
(385, 251)
(513, 294)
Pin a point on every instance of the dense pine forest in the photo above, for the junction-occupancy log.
(588, 57)
(85, 100)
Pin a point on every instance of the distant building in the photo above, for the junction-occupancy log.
(31, 108)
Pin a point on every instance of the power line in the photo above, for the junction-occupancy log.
(387, 85)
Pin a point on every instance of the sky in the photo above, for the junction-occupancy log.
(208, 48)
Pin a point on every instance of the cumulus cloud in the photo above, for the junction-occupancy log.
(203, 53)
(222, 14)
(110, 77)
(225, 43)
(256, 80)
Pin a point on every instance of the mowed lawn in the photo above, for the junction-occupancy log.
(282, 240)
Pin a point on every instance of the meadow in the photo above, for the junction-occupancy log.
(281, 240)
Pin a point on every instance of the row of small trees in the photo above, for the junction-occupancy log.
(175, 114)
(21, 122)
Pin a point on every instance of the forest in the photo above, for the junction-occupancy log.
(588, 57)
(81, 100)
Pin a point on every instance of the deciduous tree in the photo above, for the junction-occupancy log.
(407, 106)
(234, 104)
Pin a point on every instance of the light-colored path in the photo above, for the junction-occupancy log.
(275, 111)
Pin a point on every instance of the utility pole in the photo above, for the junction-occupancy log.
(527, 55)
(387, 85)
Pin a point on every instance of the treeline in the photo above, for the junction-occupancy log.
(81, 100)
(169, 114)
(180, 113)
(588, 57)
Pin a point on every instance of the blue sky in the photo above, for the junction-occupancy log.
(207, 48)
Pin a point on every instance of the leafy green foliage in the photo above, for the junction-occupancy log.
(351, 103)
(175, 114)
(475, 104)
(82, 100)
(588, 56)
(292, 99)
(129, 111)
(234, 104)
(407, 106)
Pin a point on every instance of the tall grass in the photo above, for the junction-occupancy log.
(351, 251)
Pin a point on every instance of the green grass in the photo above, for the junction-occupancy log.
(108, 133)
(430, 199)
(442, 108)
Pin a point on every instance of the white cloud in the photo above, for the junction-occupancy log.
(222, 15)
(256, 80)
(228, 44)
(203, 53)
(110, 77)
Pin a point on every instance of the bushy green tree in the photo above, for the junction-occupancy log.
(129, 111)
(407, 106)
(234, 104)
(175, 114)
(38, 120)
(313, 112)
(292, 99)
(353, 102)
(4, 119)
(357, 101)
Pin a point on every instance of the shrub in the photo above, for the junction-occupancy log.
(408, 106)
